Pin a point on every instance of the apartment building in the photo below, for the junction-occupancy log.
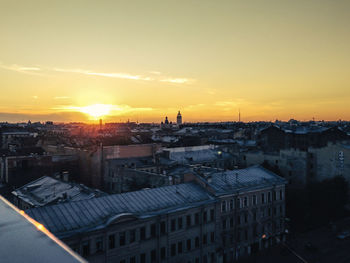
(216, 217)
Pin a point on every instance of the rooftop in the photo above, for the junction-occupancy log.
(47, 190)
(67, 219)
(254, 177)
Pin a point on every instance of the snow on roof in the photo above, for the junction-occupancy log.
(67, 219)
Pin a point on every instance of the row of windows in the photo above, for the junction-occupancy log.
(228, 205)
(255, 231)
(175, 249)
(175, 224)
(153, 256)
(243, 218)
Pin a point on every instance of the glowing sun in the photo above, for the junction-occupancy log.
(96, 110)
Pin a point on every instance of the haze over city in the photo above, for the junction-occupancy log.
(143, 60)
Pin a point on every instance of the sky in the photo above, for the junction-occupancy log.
(144, 60)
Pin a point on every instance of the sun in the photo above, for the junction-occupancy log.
(96, 110)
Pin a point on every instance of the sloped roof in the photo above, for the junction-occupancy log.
(46, 190)
(70, 218)
(254, 177)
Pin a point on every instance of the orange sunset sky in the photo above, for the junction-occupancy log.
(143, 60)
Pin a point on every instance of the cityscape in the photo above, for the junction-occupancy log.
(170, 132)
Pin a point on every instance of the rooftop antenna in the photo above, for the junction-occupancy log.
(239, 115)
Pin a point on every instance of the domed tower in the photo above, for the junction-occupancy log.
(179, 118)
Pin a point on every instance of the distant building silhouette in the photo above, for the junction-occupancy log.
(179, 118)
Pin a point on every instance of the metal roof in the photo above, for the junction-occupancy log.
(69, 218)
(46, 190)
(254, 177)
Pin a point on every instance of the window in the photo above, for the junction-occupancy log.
(173, 250)
(153, 230)
(231, 222)
(143, 258)
(205, 216)
(86, 248)
(281, 195)
(132, 260)
(231, 205)
(99, 244)
(274, 196)
(223, 206)
(238, 220)
(188, 244)
(179, 223)
(197, 242)
(122, 239)
(255, 231)
(162, 253)
(162, 228)
(204, 239)
(196, 218)
(263, 198)
(153, 255)
(111, 241)
(179, 247)
(269, 197)
(224, 224)
(142, 233)
(212, 237)
(188, 220)
(211, 215)
(132, 234)
(173, 225)
(254, 200)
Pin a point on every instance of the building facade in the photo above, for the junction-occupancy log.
(205, 220)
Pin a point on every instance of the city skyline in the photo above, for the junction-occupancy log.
(146, 60)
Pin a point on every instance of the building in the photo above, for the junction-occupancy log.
(167, 224)
(47, 191)
(217, 216)
(207, 155)
(179, 118)
(17, 170)
(250, 211)
(275, 138)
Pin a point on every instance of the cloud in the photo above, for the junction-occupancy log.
(22, 69)
(155, 72)
(103, 74)
(155, 75)
(61, 98)
(103, 109)
(177, 80)
(123, 75)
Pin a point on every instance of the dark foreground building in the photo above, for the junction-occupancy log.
(216, 217)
